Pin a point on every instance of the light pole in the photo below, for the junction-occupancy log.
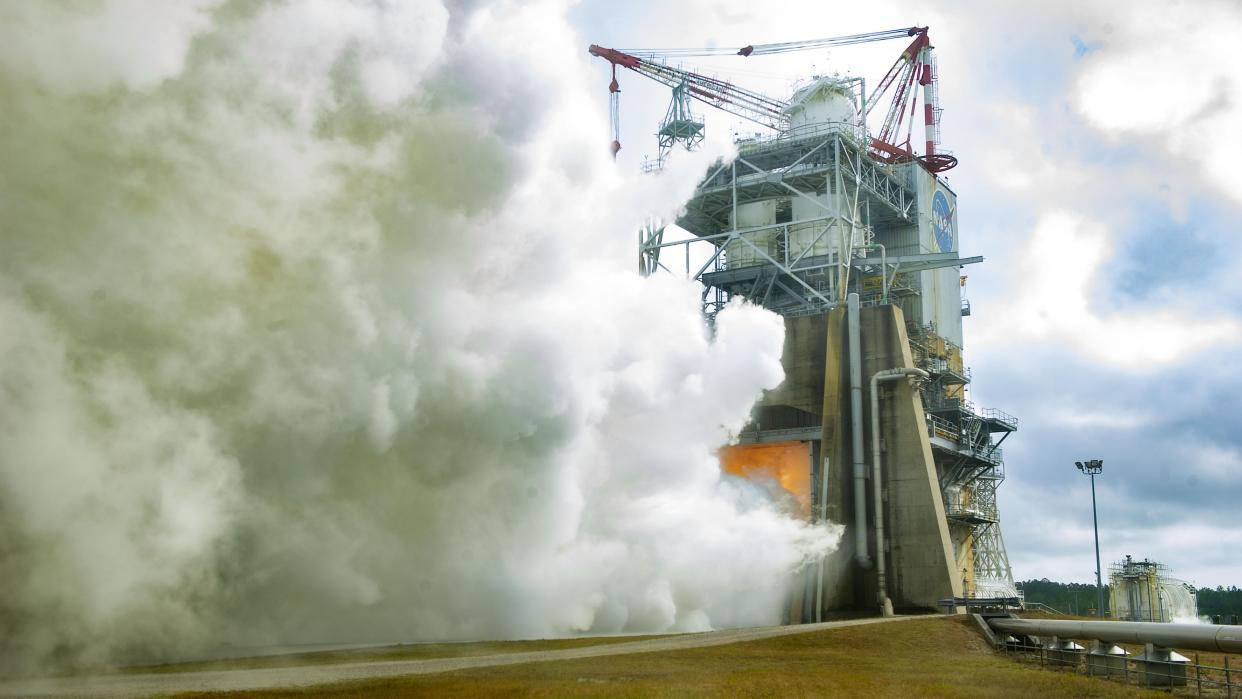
(1091, 468)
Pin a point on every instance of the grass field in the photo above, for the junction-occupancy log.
(933, 657)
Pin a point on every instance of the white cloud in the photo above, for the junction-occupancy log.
(1216, 464)
(1058, 541)
(122, 42)
(392, 44)
(1055, 299)
(1062, 415)
(1165, 71)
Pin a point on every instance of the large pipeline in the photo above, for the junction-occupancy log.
(877, 477)
(856, 432)
(1209, 637)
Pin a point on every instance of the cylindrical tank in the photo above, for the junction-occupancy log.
(825, 101)
(802, 235)
(754, 214)
(1143, 591)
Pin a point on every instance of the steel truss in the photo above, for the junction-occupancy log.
(800, 163)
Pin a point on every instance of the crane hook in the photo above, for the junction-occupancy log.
(614, 108)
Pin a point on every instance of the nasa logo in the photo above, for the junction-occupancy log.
(942, 222)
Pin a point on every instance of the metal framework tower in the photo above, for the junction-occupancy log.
(680, 124)
(824, 193)
(993, 577)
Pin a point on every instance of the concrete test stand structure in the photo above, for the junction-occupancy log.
(861, 257)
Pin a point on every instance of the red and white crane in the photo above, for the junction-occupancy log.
(915, 65)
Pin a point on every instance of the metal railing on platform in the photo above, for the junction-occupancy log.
(1041, 607)
(998, 415)
(1171, 671)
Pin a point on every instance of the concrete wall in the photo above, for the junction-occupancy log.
(922, 569)
(921, 564)
(798, 400)
(922, 561)
(842, 590)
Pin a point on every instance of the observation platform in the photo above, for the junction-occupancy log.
(969, 516)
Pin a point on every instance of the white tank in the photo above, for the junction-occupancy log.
(754, 214)
(803, 236)
(825, 101)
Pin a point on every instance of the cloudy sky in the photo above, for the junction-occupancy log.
(283, 284)
(1097, 143)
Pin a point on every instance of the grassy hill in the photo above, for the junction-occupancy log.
(932, 657)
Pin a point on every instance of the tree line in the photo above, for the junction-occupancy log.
(1080, 598)
(1222, 601)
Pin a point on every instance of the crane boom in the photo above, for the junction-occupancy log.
(722, 95)
(783, 47)
(913, 69)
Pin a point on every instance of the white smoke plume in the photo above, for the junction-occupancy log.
(318, 324)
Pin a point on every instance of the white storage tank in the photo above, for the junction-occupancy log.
(824, 101)
(802, 235)
(806, 235)
(752, 215)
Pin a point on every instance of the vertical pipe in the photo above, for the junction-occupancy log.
(734, 197)
(844, 253)
(877, 479)
(1152, 596)
(883, 272)
(856, 434)
(733, 227)
(886, 607)
(823, 516)
(642, 259)
(862, 108)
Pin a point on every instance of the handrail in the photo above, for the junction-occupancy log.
(1041, 607)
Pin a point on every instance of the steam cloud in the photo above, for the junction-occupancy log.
(318, 324)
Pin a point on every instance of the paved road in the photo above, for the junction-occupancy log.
(140, 685)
